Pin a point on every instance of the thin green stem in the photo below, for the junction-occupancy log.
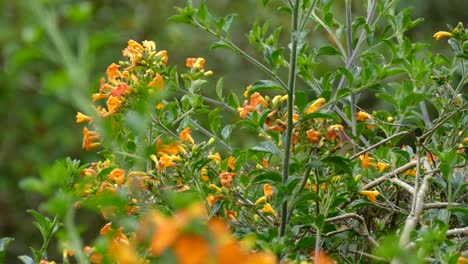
(290, 107)
(243, 54)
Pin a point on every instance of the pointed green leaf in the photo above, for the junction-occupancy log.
(327, 50)
(266, 146)
(219, 88)
(26, 259)
(264, 85)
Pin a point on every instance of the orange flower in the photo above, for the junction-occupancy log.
(172, 148)
(267, 190)
(185, 136)
(313, 136)
(191, 249)
(323, 258)
(212, 199)
(121, 250)
(362, 116)
(88, 138)
(315, 105)
(157, 82)
(189, 62)
(167, 161)
(106, 228)
(256, 99)
(81, 118)
(268, 209)
(442, 34)
(231, 215)
(99, 96)
(245, 109)
(365, 160)
(113, 72)
(231, 163)
(117, 175)
(371, 195)
(226, 178)
(163, 54)
(332, 132)
(113, 103)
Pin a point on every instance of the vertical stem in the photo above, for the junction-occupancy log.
(349, 41)
(290, 106)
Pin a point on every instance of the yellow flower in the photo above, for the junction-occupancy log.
(371, 195)
(315, 105)
(362, 116)
(149, 45)
(215, 157)
(442, 34)
(246, 92)
(261, 200)
(268, 209)
(199, 63)
(203, 174)
(381, 166)
(215, 188)
(113, 103)
(99, 96)
(185, 136)
(80, 118)
(163, 54)
(159, 106)
(231, 163)
(410, 173)
(208, 73)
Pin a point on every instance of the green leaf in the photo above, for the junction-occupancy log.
(349, 76)
(4, 242)
(229, 19)
(26, 259)
(226, 132)
(463, 210)
(181, 19)
(202, 12)
(219, 88)
(322, 114)
(341, 163)
(265, 2)
(266, 146)
(301, 100)
(223, 44)
(264, 85)
(305, 197)
(266, 176)
(328, 50)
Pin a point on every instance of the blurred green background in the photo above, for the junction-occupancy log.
(53, 53)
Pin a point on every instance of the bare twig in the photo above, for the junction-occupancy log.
(457, 232)
(388, 175)
(439, 205)
(417, 207)
(367, 255)
(379, 144)
(363, 227)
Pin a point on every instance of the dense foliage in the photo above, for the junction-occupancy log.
(289, 168)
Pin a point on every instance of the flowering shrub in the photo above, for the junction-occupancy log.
(325, 180)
